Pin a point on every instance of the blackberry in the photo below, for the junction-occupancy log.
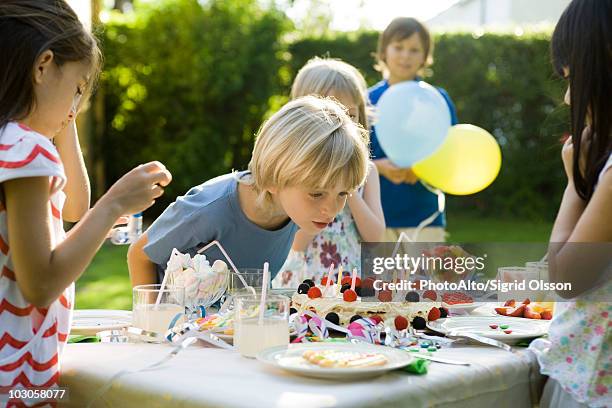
(366, 291)
(309, 282)
(303, 288)
(419, 323)
(292, 310)
(333, 318)
(344, 287)
(412, 297)
(356, 317)
(443, 312)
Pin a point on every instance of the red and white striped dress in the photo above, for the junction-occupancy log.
(31, 338)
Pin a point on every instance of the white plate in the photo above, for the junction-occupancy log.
(290, 359)
(463, 307)
(522, 329)
(88, 322)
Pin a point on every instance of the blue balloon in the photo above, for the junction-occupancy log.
(412, 120)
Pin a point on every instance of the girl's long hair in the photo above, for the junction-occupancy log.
(27, 29)
(582, 44)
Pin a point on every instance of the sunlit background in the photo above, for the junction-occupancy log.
(189, 82)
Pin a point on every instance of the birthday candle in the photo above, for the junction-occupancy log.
(339, 283)
(329, 279)
(354, 281)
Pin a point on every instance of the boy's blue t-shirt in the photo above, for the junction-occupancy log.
(211, 211)
(405, 205)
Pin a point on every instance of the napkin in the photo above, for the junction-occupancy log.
(418, 366)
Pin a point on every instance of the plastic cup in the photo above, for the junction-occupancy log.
(157, 318)
(251, 337)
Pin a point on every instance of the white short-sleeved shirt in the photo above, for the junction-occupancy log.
(31, 338)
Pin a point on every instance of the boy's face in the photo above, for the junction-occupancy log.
(404, 58)
(312, 209)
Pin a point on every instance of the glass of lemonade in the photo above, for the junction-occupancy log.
(252, 276)
(251, 337)
(158, 318)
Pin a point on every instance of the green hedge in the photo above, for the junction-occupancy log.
(189, 85)
(502, 83)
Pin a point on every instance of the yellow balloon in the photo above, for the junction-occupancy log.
(466, 163)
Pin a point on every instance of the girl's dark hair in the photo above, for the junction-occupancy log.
(27, 29)
(399, 29)
(582, 43)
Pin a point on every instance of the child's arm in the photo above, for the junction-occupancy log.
(367, 211)
(183, 225)
(42, 269)
(77, 186)
(571, 259)
(142, 270)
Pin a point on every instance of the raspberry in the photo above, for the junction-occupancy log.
(385, 296)
(314, 293)
(434, 314)
(347, 280)
(368, 282)
(349, 295)
(430, 294)
(376, 318)
(400, 322)
(324, 281)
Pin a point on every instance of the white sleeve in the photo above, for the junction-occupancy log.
(25, 153)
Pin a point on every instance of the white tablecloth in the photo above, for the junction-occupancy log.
(209, 377)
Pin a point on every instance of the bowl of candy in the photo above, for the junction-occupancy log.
(204, 283)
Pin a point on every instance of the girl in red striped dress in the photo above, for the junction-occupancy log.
(47, 62)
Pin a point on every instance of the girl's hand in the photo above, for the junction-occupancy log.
(138, 189)
(567, 155)
(409, 176)
(396, 175)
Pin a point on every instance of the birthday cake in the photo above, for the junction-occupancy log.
(342, 305)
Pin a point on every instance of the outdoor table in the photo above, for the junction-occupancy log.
(209, 377)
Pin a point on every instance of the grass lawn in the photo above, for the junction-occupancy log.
(105, 284)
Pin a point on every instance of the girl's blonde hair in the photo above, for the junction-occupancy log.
(310, 142)
(327, 76)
